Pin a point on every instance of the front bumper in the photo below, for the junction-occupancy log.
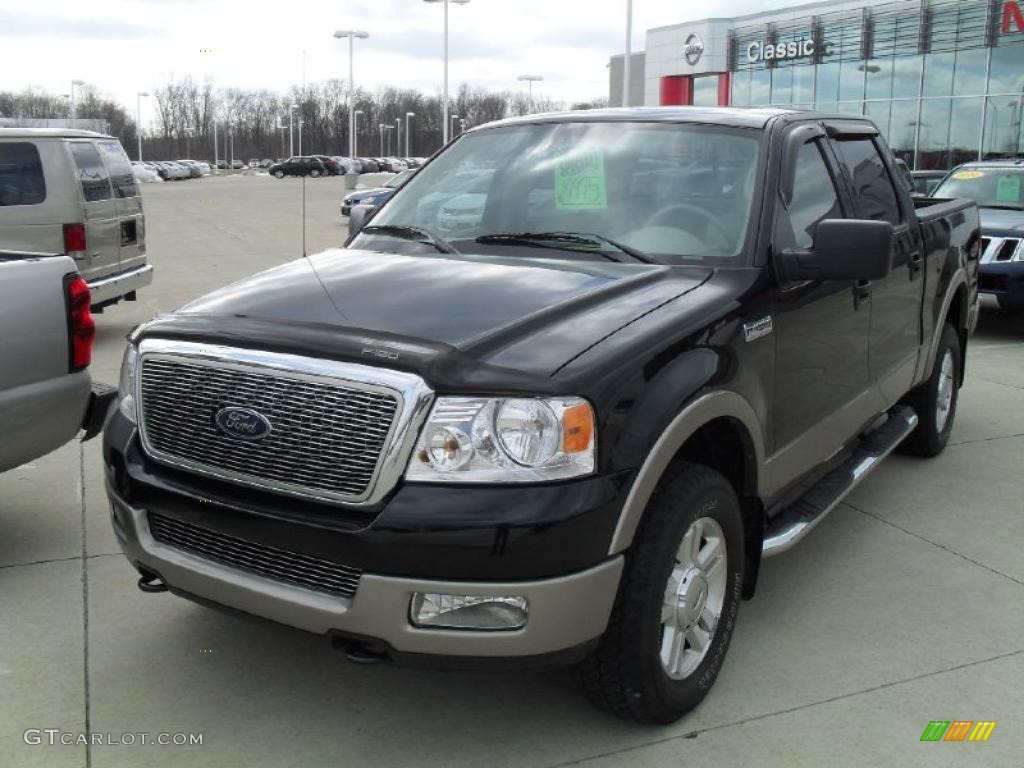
(1003, 281)
(115, 286)
(565, 612)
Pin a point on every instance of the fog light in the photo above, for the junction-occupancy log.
(490, 612)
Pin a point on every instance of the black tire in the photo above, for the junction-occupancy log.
(278, 174)
(928, 439)
(314, 173)
(624, 674)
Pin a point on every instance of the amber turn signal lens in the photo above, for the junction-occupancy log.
(577, 428)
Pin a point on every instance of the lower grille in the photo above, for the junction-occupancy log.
(296, 568)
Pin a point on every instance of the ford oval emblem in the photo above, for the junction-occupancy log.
(243, 423)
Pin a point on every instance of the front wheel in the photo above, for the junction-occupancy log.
(935, 400)
(279, 174)
(314, 173)
(677, 604)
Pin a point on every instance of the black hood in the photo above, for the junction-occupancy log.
(1001, 222)
(528, 315)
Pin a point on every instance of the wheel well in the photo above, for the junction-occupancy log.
(724, 446)
(957, 315)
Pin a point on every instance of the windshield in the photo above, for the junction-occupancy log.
(398, 179)
(989, 187)
(677, 193)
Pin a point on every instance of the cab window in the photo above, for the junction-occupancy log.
(814, 198)
(873, 189)
(21, 174)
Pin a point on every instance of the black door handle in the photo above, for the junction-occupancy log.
(861, 292)
(916, 263)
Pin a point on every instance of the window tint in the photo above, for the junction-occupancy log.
(21, 174)
(875, 194)
(91, 172)
(120, 169)
(814, 196)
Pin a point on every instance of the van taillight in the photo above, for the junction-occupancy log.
(74, 240)
(81, 326)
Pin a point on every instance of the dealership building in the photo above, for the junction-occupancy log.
(943, 79)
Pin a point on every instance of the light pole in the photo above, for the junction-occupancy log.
(188, 143)
(351, 35)
(280, 127)
(531, 79)
(138, 118)
(215, 157)
(398, 135)
(462, 125)
(407, 116)
(355, 132)
(444, 99)
(625, 61)
(454, 118)
(291, 129)
(380, 127)
(73, 84)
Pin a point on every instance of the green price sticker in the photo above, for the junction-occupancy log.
(1008, 189)
(579, 182)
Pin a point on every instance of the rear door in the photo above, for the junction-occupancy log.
(895, 299)
(99, 212)
(128, 203)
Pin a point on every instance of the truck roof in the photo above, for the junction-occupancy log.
(742, 117)
(49, 133)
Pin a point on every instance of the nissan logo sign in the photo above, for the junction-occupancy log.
(692, 49)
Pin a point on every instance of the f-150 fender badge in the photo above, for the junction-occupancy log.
(755, 329)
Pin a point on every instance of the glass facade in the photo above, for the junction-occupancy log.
(943, 79)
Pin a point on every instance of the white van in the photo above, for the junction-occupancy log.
(73, 192)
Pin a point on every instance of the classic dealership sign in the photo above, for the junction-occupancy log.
(764, 51)
(1013, 17)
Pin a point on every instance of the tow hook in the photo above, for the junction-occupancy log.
(360, 653)
(151, 583)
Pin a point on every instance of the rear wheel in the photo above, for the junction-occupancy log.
(314, 173)
(279, 174)
(677, 603)
(935, 400)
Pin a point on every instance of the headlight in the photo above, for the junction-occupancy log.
(505, 440)
(126, 384)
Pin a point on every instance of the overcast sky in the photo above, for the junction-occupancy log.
(125, 46)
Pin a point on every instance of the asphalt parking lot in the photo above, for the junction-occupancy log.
(905, 606)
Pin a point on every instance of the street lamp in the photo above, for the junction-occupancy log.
(407, 116)
(73, 84)
(351, 35)
(531, 79)
(629, 54)
(355, 133)
(444, 99)
(398, 135)
(138, 118)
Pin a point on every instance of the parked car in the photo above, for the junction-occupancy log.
(266, 163)
(46, 393)
(331, 166)
(300, 165)
(144, 173)
(74, 192)
(375, 196)
(998, 188)
(192, 167)
(222, 165)
(925, 182)
(578, 427)
(237, 165)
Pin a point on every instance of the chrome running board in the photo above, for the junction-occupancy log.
(797, 520)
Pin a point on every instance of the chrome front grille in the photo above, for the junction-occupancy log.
(281, 565)
(996, 249)
(326, 437)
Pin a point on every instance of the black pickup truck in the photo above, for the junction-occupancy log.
(658, 346)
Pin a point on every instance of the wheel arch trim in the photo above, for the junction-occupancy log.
(695, 415)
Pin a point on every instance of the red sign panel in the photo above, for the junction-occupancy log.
(1012, 17)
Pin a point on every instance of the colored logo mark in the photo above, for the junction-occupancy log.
(958, 730)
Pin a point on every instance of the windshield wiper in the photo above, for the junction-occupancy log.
(561, 240)
(415, 233)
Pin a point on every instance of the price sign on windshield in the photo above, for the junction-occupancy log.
(579, 182)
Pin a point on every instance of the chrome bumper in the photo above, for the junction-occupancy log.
(115, 286)
(565, 612)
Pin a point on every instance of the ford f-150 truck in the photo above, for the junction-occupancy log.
(46, 394)
(670, 343)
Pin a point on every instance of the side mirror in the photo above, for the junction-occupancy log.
(358, 216)
(844, 249)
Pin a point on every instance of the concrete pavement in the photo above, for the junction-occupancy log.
(905, 606)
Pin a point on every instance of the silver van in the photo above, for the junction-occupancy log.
(73, 192)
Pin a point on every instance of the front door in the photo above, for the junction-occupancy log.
(822, 329)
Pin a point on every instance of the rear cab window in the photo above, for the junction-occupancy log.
(21, 174)
(874, 193)
(92, 174)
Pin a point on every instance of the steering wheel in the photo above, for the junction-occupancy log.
(666, 217)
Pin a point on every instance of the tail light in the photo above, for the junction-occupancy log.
(74, 240)
(81, 326)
